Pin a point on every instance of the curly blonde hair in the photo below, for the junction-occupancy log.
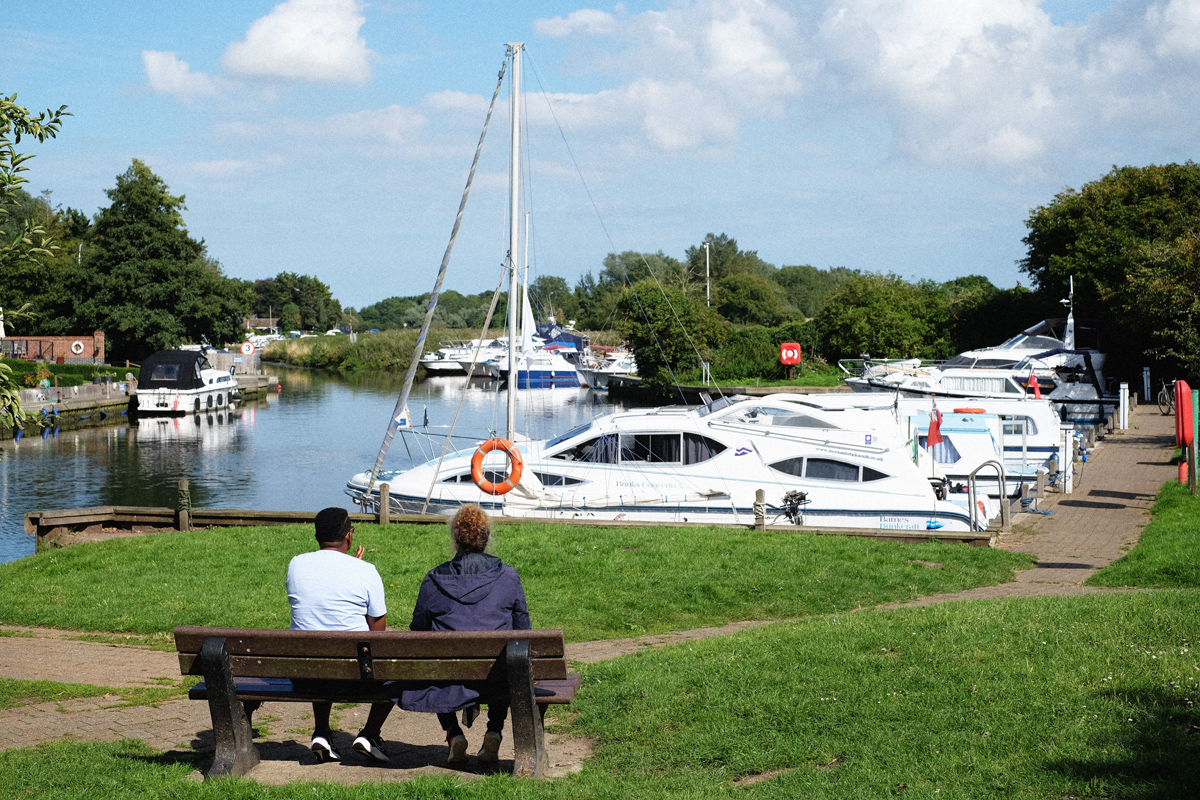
(470, 529)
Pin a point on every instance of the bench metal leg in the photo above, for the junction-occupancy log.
(236, 754)
(529, 744)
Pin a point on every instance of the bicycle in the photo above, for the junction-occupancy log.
(1166, 399)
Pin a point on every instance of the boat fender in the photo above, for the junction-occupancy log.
(970, 411)
(515, 463)
(77, 347)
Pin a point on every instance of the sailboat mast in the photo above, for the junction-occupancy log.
(514, 49)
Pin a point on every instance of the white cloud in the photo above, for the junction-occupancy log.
(1177, 24)
(587, 21)
(450, 100)
(304, 40)
(168, 75)
(693, 72)
(991, 83)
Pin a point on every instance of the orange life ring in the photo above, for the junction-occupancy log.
(969, 411)
(1183, 414)
(514, 459)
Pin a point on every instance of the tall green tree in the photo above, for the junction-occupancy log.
(147, 283)
(668, 332)
(807, 287)
(748, 298)
(30, 239)
(1129, 240)
(27, 243)
(722, 260)
(884, 316)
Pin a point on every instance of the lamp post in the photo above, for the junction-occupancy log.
(707, 295)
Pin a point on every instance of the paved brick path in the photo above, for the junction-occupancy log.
(1089, 529)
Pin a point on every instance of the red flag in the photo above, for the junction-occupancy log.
(935, 428)
(1033, 384)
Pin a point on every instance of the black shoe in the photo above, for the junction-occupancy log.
(371, 746)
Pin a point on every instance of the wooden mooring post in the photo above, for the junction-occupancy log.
(183, 513)
(385, 504)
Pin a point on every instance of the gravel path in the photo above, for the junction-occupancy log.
(1089, 529)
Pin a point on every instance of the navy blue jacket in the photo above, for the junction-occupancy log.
(472, 592)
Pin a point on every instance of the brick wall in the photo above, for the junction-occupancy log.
(52, 348)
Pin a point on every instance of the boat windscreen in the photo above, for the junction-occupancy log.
(573, 432)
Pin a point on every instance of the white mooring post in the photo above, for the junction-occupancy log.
(1123, 417)
(1067, 462)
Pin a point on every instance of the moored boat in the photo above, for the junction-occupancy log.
(181, 382)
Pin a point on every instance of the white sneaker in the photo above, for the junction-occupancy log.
(490, 752)
(371, 746)
(323, 749)
(458, 750)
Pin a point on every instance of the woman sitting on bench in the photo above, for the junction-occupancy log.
(474, 591)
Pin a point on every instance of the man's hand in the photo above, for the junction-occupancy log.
(359, 552)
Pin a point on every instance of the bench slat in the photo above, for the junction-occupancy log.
(549, 692)
(384, 644)
(386, 669)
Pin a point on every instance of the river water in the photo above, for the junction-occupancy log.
(291, 452)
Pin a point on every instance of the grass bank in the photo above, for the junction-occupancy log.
(1083, 697)
(1168, 551)
(595, 584)
(388, 351)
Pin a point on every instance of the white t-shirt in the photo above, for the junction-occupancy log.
(333, 591)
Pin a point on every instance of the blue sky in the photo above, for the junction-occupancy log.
(333, 137)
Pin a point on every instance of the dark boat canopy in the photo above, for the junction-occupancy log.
(556, 334)
(173, 369)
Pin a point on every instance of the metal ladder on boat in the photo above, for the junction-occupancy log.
(977, 522)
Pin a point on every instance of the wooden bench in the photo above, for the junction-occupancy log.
(243, 667)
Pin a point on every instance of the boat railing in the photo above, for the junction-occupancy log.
(979, 520)
(875, 367)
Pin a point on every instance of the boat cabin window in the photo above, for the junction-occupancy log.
(1015, 426)
(830, 470)
(600, 450)
(165, 372)
(489, 475)
(643, 448)
(557, 480)
(202, 363)
(668, 448)
(656, 448)
(827, 469)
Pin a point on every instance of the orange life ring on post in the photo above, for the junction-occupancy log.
(514, 460)
(1183, 414)
(969, 411)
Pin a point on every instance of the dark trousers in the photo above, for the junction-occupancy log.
(497, 713)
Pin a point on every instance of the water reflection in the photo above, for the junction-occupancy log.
(292, 451)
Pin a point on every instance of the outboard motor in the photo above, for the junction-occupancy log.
(792, 502)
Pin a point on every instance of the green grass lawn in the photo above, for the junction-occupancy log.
(1168, 552)
(1032, 698)
(1082, 697)
(594, 584)
(15, 693)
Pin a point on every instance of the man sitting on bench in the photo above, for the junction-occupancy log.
(330, 590)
